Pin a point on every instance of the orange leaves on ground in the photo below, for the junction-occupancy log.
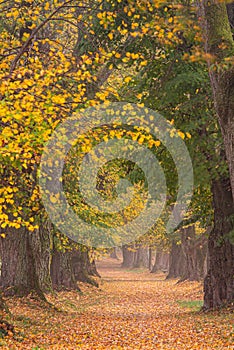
(130, 310)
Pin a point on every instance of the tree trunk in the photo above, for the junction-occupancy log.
(62, 271)
(195, 251)
(219, 44)
(128, 256)
(230, 11)
(15, 278)
(161, 262)
(70, 266)
(25, 258)
(150, 259)
(92, 269)
(141, 258)
(177, 261)
(113, 254)
(41, 245)
(82, 266)
(219, 282)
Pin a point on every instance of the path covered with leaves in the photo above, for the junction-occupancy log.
(130, 310)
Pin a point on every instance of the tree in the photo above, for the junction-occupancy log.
(176, 261)
(30, 111)
(219, 282)
(188, 254)
(63, 58)
(195, 250)
(219, 45)
(113, 254)
(161, 262)
(128, 255)
(55, 57)
(25, 262)
(191, 99)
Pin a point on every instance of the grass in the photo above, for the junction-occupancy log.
(136, 270)
(194, 305)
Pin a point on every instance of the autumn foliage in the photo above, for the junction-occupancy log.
(131, 310)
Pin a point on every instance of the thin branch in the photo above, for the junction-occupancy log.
(34, 32)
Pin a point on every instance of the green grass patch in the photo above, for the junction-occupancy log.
(137, 270)
(194, 305)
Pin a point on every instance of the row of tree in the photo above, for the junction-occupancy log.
(58, 57)
(185, 257)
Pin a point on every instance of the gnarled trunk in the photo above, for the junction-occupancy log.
(219, 282)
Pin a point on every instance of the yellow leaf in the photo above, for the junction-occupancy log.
(127, 79)
(157, 143)
(53, 199)
(188, 135)
(143, 63)
(141, 139)
(181, 134)
(47, 6)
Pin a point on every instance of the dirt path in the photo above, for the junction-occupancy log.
(131, 310)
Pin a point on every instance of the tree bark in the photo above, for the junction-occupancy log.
(41, 245)
(150, 259)
(177, 261)
(25, 258)
(216, 24)
(113, 254)
(82, 266)
(230, 11)
(141, 258)
(70, 266)
(128, 256)
(195, 251)
(219, 282)
(161, 262)
(62, 271)
(92, 269)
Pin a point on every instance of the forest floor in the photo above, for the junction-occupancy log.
(132, 309)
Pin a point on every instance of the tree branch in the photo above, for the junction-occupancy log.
(34, 32)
